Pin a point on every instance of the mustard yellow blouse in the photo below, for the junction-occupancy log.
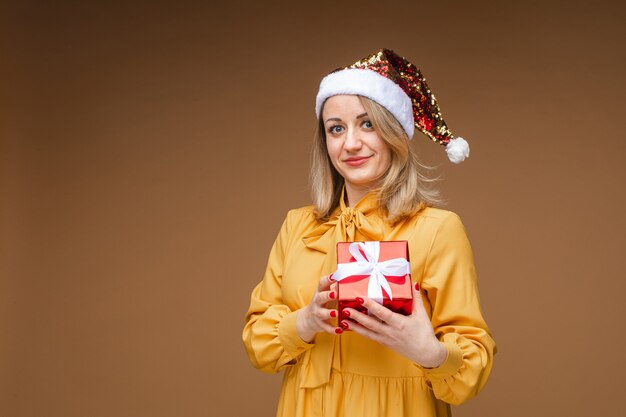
(349, 375)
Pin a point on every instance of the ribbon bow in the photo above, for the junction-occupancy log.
(367, 263)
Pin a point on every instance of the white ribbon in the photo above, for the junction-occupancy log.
(369, 265)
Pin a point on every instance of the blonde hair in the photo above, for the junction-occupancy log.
(403, 190)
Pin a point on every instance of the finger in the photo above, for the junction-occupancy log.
(364, 331)
(381, 312)
(326, 313)
(368, 322)
(418, 303)
(324, 297)
(325, 283)
(331, 329)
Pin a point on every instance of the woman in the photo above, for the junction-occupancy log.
(366, 187)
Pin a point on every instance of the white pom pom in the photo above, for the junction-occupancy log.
(457, 150)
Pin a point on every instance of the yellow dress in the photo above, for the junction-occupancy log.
(348, 375)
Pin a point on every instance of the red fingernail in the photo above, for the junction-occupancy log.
(344, 325)
(417, 286)
(333, 313)
(338, 330)
(332, 295)
(346, 313)
(360, 300)
(330, 277)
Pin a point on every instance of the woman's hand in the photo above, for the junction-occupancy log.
(411, 336)
(313, 318)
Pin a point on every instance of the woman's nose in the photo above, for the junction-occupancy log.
(353, 140)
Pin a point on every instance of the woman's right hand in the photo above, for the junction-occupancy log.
(313, 318)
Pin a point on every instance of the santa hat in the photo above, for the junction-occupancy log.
(397, 85)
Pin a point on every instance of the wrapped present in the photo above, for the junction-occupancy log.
(377, 270)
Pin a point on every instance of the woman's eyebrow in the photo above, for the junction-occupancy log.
(337, 119)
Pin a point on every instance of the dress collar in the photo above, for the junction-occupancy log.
(345, 222)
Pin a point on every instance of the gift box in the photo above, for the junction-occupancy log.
(376, 270)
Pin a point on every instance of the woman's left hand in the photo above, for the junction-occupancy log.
(411, 336)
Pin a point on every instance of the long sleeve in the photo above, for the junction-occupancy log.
(269, 335)
(451, 287)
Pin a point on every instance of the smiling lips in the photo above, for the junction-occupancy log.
(356, 161)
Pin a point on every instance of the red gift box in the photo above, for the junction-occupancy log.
(377, 270)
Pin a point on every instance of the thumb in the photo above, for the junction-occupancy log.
(418, 304)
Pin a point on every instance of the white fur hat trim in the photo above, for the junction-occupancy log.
(372, 85)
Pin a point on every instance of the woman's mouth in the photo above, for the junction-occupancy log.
(356, 161)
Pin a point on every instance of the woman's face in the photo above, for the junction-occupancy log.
(355, 148)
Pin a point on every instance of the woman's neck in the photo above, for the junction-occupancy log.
(355, 194)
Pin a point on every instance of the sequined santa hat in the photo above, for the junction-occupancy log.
(399, 86)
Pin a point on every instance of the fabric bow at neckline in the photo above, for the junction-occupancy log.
(344, 224)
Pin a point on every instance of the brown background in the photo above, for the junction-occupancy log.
(149, 153)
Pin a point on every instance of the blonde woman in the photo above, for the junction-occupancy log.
(366, 187)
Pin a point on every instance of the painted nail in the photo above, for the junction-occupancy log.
(346, 313)
(344, 325)
(360, 300)
(332, 295)
(333, 313)
(338, 330)
(417, 286)
(330, 277)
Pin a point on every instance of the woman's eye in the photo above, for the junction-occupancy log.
(335, 129)
(368, 125)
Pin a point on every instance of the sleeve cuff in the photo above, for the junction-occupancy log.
(292, 343)
(450, 365)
